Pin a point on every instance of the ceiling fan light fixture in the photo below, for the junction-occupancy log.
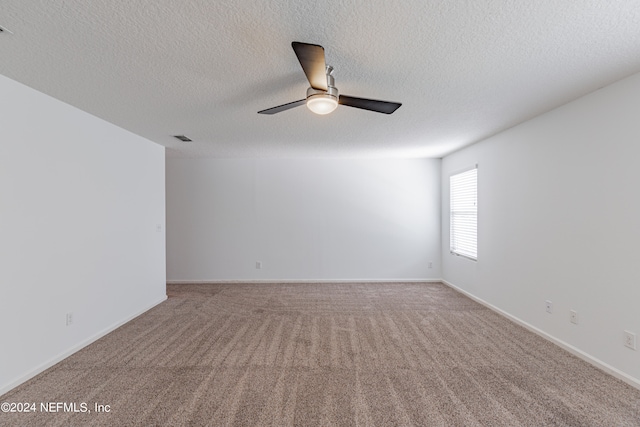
(322, 97)
(322, 103)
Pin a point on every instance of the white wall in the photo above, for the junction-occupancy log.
(559, 220)
(79, 203)
(314, 219)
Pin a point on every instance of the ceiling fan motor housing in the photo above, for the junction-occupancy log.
(332, 90)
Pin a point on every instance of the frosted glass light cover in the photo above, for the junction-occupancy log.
(322, 103)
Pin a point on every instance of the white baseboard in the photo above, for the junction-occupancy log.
(49, 363)
(634, 382)
(191, 282)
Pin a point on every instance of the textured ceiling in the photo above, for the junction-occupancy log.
(463, 70)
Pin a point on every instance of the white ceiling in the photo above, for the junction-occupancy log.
(464, 70)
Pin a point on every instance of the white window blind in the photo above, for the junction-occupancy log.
(464, 214)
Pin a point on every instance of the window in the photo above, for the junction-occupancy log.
(464, 213)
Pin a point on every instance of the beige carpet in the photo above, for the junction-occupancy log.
(397, 354)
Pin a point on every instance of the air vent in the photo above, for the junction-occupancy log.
(182, 138)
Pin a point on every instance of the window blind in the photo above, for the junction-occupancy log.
(464, 213)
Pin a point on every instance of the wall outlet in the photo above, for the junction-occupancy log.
(630, 340)
(573, 316)
(258, 265)
(548, 306)
(430, 264)
(69, 319)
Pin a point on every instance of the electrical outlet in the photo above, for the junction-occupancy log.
(430, 264)
(69, 319)
(573, 316)
(630, 340)
(258, 265)
(548, 306)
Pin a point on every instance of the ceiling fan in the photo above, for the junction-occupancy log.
(322, 96)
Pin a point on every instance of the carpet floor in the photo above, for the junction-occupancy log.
(368, 354)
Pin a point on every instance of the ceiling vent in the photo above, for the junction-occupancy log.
(183, 138)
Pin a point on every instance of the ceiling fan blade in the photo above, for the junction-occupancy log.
(369, 104)
(283, 107)
(311, 57)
